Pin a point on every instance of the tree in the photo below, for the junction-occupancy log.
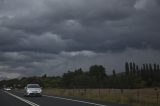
(131, 68)
(147, 67)
(127, 68)
(137, 69)
(67, 79)
(144, 67)
(134, 69)
(98, 73)
(155, 67)
(114, 73)
(44, 76)
(150, 67)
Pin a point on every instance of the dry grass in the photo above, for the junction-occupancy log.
(136, 97)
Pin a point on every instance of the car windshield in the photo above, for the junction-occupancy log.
(33, 86)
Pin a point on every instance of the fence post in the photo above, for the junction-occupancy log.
(85, 92)
(121, 90)
(109, 90)
(138, 94)
(157, 94)
(157, 97)
(99, 91)
(106, 91)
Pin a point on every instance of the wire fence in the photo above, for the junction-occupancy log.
(137, 97)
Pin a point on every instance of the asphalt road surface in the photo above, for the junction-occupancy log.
(16, 98)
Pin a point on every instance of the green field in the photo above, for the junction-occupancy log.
(135, 97)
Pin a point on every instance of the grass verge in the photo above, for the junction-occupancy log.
(135, 97)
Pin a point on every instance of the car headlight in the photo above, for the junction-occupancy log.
(28, 91)
(40, 90)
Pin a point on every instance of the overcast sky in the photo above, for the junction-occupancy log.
(52, 36)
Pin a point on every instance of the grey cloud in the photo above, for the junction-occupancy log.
(4, 75)
(40, 16)
(80, 21)
(51, 36)
(51, 64)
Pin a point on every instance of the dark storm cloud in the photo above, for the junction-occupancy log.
(40, 36)
(78, 21)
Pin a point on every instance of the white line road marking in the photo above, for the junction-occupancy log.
(24, 100)
(75, 100)
(70, 99)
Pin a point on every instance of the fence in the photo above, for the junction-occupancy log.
(137, 97)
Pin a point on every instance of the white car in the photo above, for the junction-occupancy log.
(7, 89)
(33, 90)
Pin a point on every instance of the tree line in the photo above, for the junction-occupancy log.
(134, 76)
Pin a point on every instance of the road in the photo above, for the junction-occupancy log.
(16, 98)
